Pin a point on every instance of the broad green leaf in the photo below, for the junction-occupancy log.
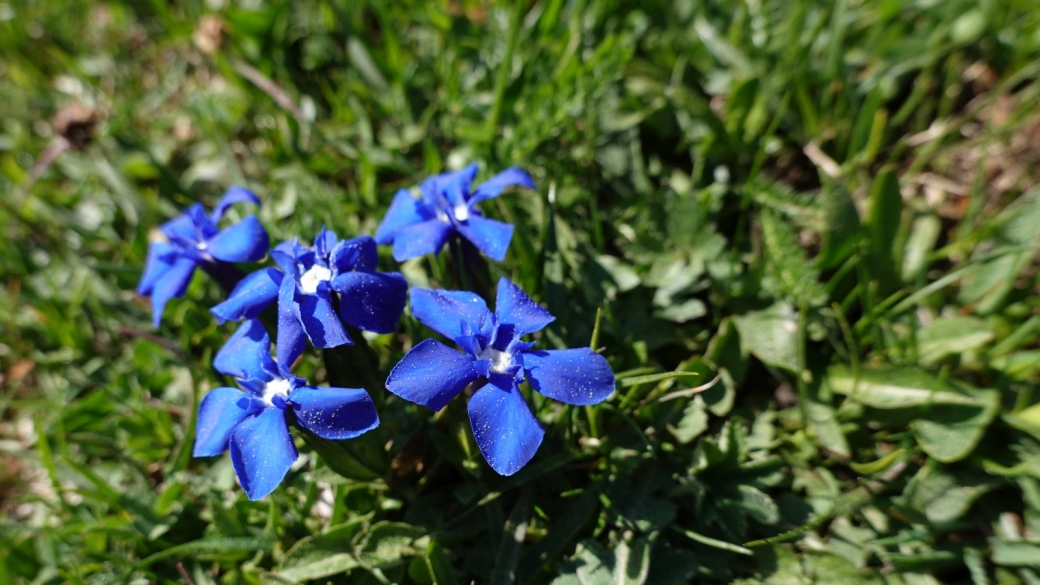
(950, 418)
(987, 283)
(592, 564)
(632, 561)
(433, 568)
(389, 543)
(694, 421)
(944, 495)
(822, 420)
(1027, 419)
(950, 336)
(897, 387)
(323, 555)
(771, 335)
(1019, 553)
(949, 432)
(758, 504)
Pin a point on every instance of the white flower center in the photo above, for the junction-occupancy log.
(462, 212)
(500, 360)
(276, 387)
(310, 279)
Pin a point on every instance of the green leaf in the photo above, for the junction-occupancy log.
(842, 227)
(215, 545)
(877, 466)
(324, 555)
(386, 544)
(951, 418)
(771, 335)
(433, 568)
(886, 208)
(790, 273)
(945, 496)
(823, 421)
(1017, 553)
(512, 539)
(637, 380)
(632, 561)
(694, 421)
(592, 564)
(758, 504)
(560, 534)
(950, 432)
(951, 336)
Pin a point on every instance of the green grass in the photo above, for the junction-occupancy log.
(831, 206)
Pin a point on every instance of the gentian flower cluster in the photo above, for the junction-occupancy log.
(253, 422)
(497, 359)
(193, 239)
(416, 227)
(367, 299)
(323, 289)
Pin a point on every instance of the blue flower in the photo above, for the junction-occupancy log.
(417, 227)
(497, 359)
(369, 300)
(193, 239)
(253, 422)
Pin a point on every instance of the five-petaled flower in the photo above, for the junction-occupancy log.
(506, 431)
(417, 227)
(253, 423)
(369, 300)
(192, 239)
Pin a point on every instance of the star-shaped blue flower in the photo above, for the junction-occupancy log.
(497, 359)
(369, 300)
(193, 239)
(253, 422)
(417, 227)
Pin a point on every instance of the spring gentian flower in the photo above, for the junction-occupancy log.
(254, 423)
(498, 360)
(417, 227)
(191, 240)
(369, 300)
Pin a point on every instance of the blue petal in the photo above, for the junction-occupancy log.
(506, 431)
(356, 254)
(445, 311)
(290, 338)
(431, 374)
(289, 255)
(180, 228)
(455, 186)
(170, 285)
(246, 241)
(572, 376)
(404, 211)
(247, 354)
(161, 257)
(514, 307)
(420, 239)
(494, 186)
(262, 452)
(319, 318)
(325, 242)
(235, 194)
(334, 413)
(219, 413)
(251, 296)
(492, 237)
(371, 301)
